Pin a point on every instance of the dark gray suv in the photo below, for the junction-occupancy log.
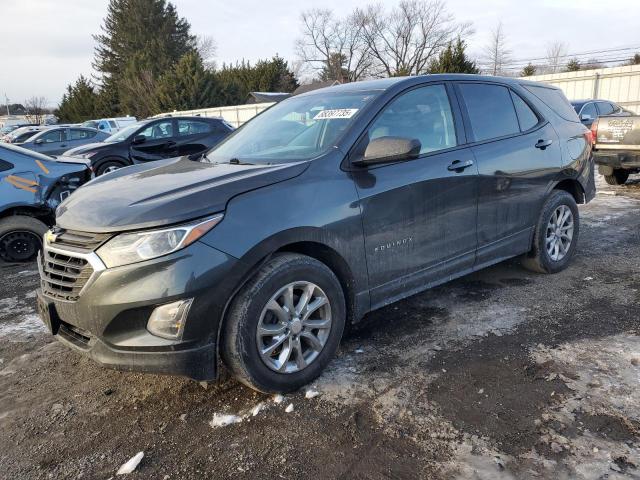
(326, 206)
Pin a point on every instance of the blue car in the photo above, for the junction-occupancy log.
(56, 140)
(32, 185)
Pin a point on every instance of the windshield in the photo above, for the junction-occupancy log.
(299, 128)
(123, 134)
(577, 106)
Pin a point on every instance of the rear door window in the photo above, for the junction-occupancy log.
(526, 116)
(423, 114)
(80, 134)
(605, 108)
(192, 127)
(490, 109)
(162, 129)
(4, 166)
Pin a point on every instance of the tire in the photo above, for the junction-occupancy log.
(619, 177)
(539, 259)
(241, 342)
(20, 238)
(109, 166)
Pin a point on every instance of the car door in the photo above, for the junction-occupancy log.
(193, 136)
(418, 216)
(157, 141)
(52, 142)
(518, 156)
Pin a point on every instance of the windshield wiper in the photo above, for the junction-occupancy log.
(236, 161)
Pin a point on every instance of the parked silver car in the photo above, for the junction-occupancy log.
(57, 140)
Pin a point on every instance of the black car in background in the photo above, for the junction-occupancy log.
(151, 140)
(589, 110)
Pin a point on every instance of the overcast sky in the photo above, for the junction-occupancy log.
(46, 44)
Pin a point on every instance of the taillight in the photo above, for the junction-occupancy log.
(594, 131)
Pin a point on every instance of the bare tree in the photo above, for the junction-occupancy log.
(208, 49)
(36, 109)
(556, 53)
(403, 41)
(333, 45)
(497, 55)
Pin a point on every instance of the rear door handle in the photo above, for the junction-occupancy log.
(458, 166)
(542, 144)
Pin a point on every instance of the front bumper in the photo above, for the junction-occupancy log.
(108, 320)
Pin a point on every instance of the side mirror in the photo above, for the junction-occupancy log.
(39, 141)
(138, 139)
(389, 149)
(586, 118)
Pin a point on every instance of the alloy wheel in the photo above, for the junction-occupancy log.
(559, 233)
(294, 327)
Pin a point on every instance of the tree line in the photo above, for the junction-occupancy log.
(147, 60)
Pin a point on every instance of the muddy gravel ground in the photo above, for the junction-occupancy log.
(501, 374)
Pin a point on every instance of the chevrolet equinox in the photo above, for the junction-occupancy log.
(324, 207)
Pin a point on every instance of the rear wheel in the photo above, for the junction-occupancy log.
(618, 177)
(285, 325)
(556, 234)
(20, 238)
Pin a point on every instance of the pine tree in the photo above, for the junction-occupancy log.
(79, 103)
(573, 65)
(528, 70)
(187, 85)
(453, 59)
(140, 40)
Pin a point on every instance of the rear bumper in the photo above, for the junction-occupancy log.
(615, 160)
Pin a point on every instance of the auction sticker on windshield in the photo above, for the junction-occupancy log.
(337, 113)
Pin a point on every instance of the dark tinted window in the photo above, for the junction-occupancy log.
(53, 136)
(23, 137)
(193, 127)
(79, 134)
(113, 124)
(589, 109)
(4, 166)
(490, 109)
(555, 100)
(423, 114)
(605, 108)
(527, 117)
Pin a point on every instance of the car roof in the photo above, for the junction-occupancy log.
(386, 83)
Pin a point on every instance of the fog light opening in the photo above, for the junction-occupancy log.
(167, 321)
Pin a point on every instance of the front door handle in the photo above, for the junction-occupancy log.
(542, 144)
(458, 166)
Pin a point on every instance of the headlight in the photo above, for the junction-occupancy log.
(88, 155)
(135, 247)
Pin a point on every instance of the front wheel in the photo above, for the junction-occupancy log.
(20, 238)
(285, 324)
(618, 177)
(108, 167)
(556, 235)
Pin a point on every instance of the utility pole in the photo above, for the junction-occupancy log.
(6, 99)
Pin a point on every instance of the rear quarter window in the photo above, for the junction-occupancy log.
(555, 100)
(4, 166)
(490, 109)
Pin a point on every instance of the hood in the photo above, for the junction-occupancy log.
(88, 147)
(163, 193)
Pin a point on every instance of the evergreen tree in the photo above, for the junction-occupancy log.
(573, 65)
(453, 59)
(140, 40)
(79, 103)
(187, 85)
(528, 70)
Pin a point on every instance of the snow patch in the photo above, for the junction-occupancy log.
(311, 393)
(23, 326)
(223, 419)
(131, 465)
(289, 408)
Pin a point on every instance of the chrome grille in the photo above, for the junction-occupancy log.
(81, 242)
(63, 276)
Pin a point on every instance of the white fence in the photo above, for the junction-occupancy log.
(618, 84)
(236, 115)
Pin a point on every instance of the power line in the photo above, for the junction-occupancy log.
(592, 52)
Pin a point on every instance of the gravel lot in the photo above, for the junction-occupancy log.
(501, 374)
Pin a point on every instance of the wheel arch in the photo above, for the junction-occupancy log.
(573, 187)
